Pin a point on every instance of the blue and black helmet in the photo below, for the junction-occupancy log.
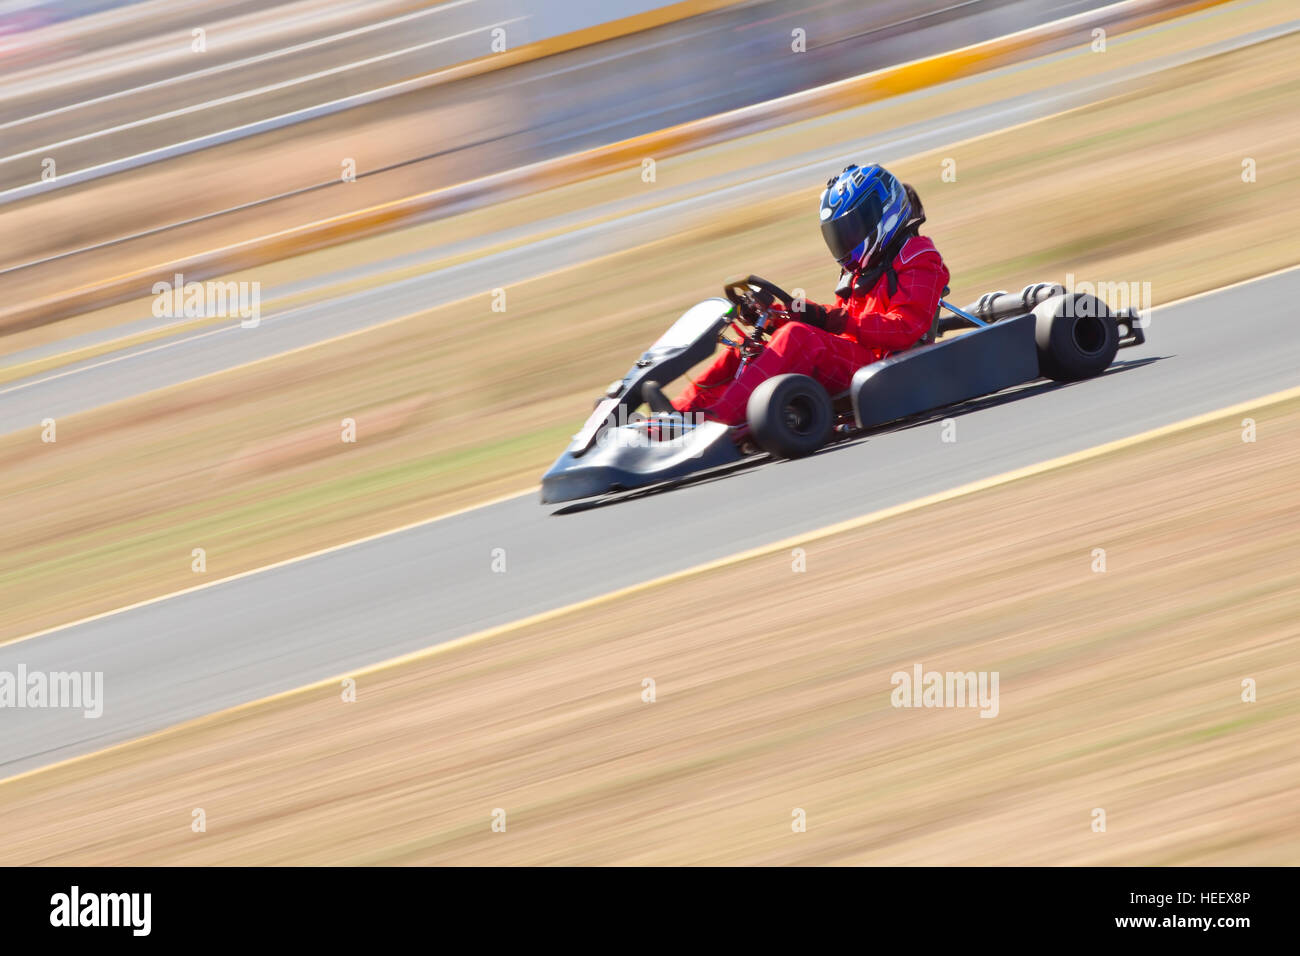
(862, 210)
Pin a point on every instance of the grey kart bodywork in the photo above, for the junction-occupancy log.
(1004, 347)
(614, 449)
(623, 461)
(1005, 352)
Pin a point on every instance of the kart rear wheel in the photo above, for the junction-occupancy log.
(790, 415)
(1076, 336)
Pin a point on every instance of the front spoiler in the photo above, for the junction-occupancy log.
(622, 458)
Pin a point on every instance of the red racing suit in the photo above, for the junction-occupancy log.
(874, 315)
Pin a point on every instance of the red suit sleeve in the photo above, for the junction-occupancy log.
(899, 320)
(878, 320)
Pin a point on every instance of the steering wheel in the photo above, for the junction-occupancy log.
(753, 297)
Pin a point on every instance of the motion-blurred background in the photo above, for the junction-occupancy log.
(155, 114)
(464, 218)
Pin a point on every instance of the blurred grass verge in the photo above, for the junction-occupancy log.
(1120, 690)
(1145, 187)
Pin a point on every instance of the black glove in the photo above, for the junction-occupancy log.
(812, 313)
(820, 316)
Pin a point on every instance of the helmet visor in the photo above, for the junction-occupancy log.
(845, 233)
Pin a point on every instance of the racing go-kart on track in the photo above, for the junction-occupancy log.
(1040, 332)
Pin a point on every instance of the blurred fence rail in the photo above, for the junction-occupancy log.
(552, 118)
(158, 97)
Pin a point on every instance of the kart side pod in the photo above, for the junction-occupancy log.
(1065, 337)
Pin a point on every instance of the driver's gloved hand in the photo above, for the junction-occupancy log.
(821, 317)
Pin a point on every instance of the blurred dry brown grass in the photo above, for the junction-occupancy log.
(1118, 690)
(1144, 187)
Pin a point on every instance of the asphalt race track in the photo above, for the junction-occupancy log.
(199, 652)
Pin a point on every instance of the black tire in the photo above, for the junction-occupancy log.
(790, 415)
(1076, 337)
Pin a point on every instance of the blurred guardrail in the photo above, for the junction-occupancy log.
(181, 100)
(716, 75)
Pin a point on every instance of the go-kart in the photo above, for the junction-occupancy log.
(1008, 339)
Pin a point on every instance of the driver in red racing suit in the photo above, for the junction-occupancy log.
(890, 285)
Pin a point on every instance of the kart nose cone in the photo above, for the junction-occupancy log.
(570, 479)
(627, 457)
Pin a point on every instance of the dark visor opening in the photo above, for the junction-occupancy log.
(845, 233)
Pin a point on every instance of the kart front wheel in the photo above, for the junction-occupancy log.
(790, 415)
